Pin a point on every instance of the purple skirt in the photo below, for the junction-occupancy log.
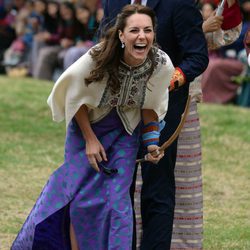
(97, 204)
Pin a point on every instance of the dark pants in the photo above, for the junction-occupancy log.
(158, 190)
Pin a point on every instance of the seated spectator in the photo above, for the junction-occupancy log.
(7, 32)
(48, 36)
(17, 14)
(85, 38)
(35, 22)
(19, 51)
(50, 56)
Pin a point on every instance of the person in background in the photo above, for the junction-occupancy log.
(6, 26)
(51, 56)
(217, 84)
(207, 9)
(188, 219)
(84, 39)
(111, 96)
(179, 34)
(19, 16)
(7, 32)
(19, 53)
(18, 12)
(47, 35)
(35, 22)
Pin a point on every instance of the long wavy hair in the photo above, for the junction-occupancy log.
(108, 53)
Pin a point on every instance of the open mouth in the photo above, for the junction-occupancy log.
(140, 47)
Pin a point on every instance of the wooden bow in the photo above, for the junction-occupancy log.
(172, 138)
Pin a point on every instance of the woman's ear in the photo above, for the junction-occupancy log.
(120, 34)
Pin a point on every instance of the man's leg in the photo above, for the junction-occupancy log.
(158, 190)
(158, 201)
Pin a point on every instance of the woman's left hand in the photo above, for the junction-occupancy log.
(154, 155)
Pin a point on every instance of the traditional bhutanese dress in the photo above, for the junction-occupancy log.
(97, 204)
(188, 218)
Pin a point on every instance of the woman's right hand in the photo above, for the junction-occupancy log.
(94, 149)
(154, 155)
(95, 153)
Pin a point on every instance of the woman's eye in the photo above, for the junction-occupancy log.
(134, 31)
(148, 31)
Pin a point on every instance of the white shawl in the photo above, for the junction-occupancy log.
(70, 92)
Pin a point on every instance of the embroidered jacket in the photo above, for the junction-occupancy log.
(137, 91)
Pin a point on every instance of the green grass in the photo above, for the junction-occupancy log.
(32, 146)
(226, 171)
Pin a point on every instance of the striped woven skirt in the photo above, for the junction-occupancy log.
(188, 218)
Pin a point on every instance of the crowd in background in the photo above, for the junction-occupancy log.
(42, 38)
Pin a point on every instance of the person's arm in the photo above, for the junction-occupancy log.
(187, 22)
(151, 134)
(94, 149)
(229, 30)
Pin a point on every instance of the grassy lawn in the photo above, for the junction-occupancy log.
(31, 147)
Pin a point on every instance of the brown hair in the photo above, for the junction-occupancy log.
(108, 53)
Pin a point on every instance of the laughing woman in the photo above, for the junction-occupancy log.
(112, 93)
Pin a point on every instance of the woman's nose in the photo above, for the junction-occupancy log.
(141, 34)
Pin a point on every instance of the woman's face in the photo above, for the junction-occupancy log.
(138, 37)
(53, 9)
(82, 15)
(246, 6)
(99, 14)
(39, 7)
(66, 13)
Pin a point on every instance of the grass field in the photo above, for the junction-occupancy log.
(31, 147)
